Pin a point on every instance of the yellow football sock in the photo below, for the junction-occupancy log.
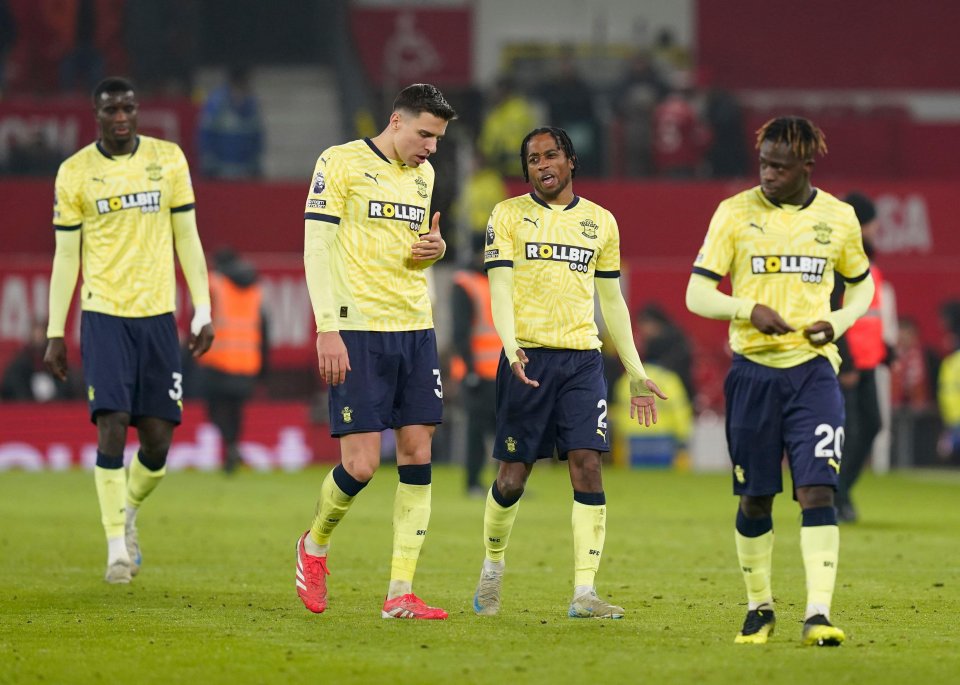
(497, 524)
(111, 491)
(411, 516)
(820, 546)
(756, 563)
(331, 507)
(142, 481)
(589, 531)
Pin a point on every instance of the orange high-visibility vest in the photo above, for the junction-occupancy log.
(484, 341)
(236, 323)
(865, 336)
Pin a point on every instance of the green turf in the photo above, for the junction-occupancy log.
(215, 602)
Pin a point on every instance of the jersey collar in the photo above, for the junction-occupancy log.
(573, 203)
(376, 151)
(806, 204)
(102, 150)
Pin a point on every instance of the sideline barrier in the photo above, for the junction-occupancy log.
(58, 436)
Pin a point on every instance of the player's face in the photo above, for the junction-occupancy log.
(117, 117)
(415, 137)
(549, 168)
(784, 177)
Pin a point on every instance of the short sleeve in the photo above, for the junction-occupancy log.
(498, 243)
(608, 263)
(182, 183)
(852, 262)
(717, 252)
(326, 199)
(67, 207)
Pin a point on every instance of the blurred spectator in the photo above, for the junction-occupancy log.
(665, 344)
(481, 190)
(230, 136)
(510, 118)
(27, 378)
(570, 106)
(669, 56)
(238, 354)
(662, 444)
(727, 154)
(635, 98)
(948, 385)
(916, 367)
(862, 349)
(33, 156)
(477, 348)
(680, 138)
(65, 45)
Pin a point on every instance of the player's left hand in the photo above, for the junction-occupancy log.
(819, 333)
(200, 344)
(644, 407)
(431, 245)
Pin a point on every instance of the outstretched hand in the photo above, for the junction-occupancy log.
(431, 245)
(519, 372)
(644, 407)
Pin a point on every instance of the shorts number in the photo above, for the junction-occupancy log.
(176, 393)
(438, 391)
(830, 435)
(601, 423)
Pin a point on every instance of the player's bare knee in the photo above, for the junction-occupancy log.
(756, 507)
(815, 496)
(112, 431)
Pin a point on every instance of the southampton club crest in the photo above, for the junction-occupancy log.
(511, 445)
(823, 233)
(589, 229)
(347, 414)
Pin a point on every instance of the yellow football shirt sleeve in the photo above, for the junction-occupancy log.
(186, 240)
(617, 318)
(326, 202)
(502, 309)
(183, 196)
(608, 261)
(718, 249)
(498, 243)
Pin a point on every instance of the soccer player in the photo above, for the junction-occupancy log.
(368, 243)
(783, 243)
(123, 204)
(547, 252)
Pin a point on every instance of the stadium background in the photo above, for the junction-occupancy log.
(886, 92)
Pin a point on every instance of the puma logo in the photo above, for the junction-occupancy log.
(759, 228)
(532, 221)
(372, 178)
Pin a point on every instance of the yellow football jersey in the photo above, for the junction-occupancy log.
(122, 208)
(784, 257)
(381, 208)
(555, 253)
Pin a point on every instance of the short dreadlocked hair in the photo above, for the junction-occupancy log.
(802, 136)
(563, 141)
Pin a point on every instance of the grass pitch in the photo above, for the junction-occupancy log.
(216, 603)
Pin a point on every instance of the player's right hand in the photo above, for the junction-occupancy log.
(518, 369)
(333, 358)
(767, 320)
(55, 357)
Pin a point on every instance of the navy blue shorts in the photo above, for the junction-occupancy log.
(771, 411)
(132, 365)
(567, 412)
(394, 381)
